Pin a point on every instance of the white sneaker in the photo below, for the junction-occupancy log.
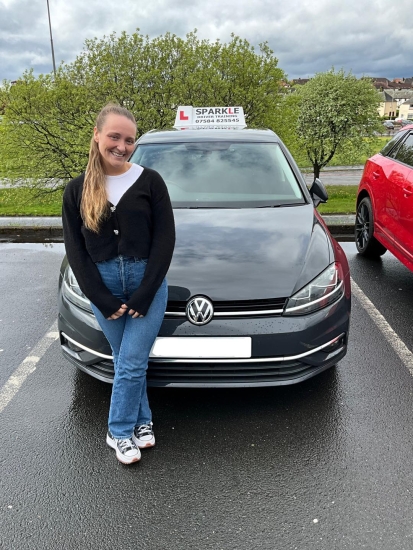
(143, 436)
(126, 450)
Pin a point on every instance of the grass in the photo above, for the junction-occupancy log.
(341, 200)
(21, 201)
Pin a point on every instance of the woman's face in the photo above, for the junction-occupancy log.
(116, 141)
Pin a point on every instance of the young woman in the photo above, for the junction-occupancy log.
(119, 235)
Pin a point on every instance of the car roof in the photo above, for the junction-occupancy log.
(183, 136)
(405, 129)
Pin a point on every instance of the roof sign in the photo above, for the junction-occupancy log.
(197, 118)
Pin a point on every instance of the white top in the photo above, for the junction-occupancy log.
(116, 186)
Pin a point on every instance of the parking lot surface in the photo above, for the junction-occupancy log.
(320, 465)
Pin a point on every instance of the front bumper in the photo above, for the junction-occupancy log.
(285, 350)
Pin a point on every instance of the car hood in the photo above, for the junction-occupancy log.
(246, 254)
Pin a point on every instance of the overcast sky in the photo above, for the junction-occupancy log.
(368, 37)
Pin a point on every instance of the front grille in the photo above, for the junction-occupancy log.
(225, 372)
(231, 307)
(215, 374)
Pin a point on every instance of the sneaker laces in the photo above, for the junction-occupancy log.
(126, 445)
(144, 429)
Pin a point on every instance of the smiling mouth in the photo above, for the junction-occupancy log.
(117, 155)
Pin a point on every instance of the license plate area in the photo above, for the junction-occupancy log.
(201, 348)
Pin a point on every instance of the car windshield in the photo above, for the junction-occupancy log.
(223, 174)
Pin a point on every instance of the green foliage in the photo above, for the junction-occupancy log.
(349, 156)
(9, 163)
(337, 112)
(48, 121)
(45, 128)
(283, 121)
(24, 201)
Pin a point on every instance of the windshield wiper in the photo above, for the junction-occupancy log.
(280, 205)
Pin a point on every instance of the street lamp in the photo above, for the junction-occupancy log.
(51, 39)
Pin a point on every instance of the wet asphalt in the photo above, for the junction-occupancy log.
(326, 464)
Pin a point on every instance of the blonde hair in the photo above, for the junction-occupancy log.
(94, 207)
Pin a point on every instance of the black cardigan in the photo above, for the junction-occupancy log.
(141, 225)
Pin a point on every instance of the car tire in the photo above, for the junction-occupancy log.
(367, 245)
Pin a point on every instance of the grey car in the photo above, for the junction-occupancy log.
(259, 291)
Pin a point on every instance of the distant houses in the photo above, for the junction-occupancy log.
(395, 97)
(382, 84)
(406, 110)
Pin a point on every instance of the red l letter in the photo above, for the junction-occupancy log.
(182, 116)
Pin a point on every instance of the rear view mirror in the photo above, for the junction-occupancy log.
(318, 192)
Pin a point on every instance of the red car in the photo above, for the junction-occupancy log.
(384, 219)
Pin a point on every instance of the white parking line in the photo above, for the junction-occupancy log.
(26, 367)
(398, 345)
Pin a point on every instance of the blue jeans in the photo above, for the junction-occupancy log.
(131, 341)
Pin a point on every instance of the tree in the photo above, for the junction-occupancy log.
(283, 121)
(49, 120)
(337, 113)
(46, 128)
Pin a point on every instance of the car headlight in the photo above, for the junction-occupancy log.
(71, 291)
(322, 291)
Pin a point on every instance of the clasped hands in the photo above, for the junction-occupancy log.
(123, 308)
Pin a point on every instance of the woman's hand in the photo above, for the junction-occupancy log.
(118, 313)
(134, 313)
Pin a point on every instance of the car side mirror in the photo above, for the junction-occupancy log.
(318, 192)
